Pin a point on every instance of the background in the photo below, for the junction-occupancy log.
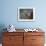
(8, 13)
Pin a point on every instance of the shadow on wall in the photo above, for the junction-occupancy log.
(2, 26)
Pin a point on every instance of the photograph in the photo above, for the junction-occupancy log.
(26, 14)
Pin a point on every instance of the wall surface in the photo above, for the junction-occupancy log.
(8, 13)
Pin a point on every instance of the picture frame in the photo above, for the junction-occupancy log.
(26, 14)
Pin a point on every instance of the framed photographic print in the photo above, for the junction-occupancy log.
(26, 14)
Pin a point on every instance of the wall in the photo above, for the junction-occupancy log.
(9, 13)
